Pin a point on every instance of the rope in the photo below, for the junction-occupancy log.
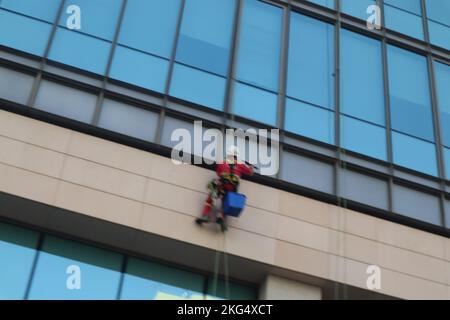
(225, 261)
(221, 249)
(216, 272)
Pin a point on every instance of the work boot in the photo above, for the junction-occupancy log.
(202, 219)
(222, 223)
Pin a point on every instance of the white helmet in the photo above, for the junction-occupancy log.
(233, 151)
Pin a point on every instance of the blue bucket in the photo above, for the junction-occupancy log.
(233, 204)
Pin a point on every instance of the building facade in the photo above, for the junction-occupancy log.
(92, 206)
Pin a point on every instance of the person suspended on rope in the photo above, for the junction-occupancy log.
(228, 178)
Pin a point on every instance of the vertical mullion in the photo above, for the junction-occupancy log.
(232, 64)
(162, 114)
(37, 80)
(123, 270)
(337, 164)
(100, 98)
(337, 139)
(387, 108)
(436, 114)
(34, 265)
(281, 112)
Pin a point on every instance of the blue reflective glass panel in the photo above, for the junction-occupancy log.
(99, 272)
(403, 21)
(415, 154)
(409, 95)
(438, 14)
(98, 18)
(357, 8)
(139, 68)
(198, 86)
(24, 34)
(150, 281)
(145, 43)
(17, 253)
(311, 61)
(41, 9)
(439, 34)
(363, 137)
(150, 26)
(205, 35)
(442, 73)
(309, 121)
(447, 165)
(259, 44)
(81, 51)
(362, 93)
(438, 10)
(255, 104)
(204, 44)
(87, 48)
(412, 6)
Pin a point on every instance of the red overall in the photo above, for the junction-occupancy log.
(229, 174)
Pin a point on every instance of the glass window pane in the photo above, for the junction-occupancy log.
(65, 101)
(438, 14)
(438, 11)
(15, 86)
(414, 153)
(259, 44)
(144, 60)
(171, 124)
(442, 74)
(198, 87)
(138, 68)
(98, 18)
(311, 61)
(355, 135)
(81, 51)
(253, 103)
(364, 189)
(204, 44)
(42, 9)
(447, 162)
(447, 213)
(23, 33)
(439, 34)
(17, 254)
(150, 281)
(128, 120)
(357, 8)
(89, 47)
(410, 96)
(235, 291)
(150, 26)
(99, 269)
(205, 35)
(412, 6)
(362, 88)
(403, 21)
(310, 121)
(307, 172)
(416, 204)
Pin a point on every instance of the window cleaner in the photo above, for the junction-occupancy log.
(225, 188)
